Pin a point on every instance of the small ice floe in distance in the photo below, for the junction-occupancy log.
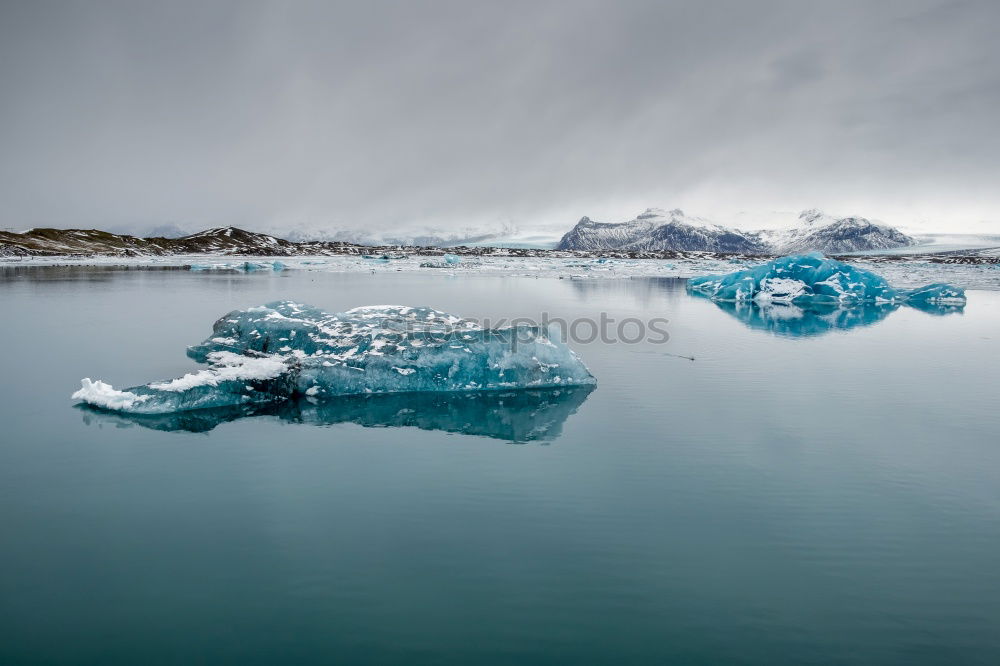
(242, 266)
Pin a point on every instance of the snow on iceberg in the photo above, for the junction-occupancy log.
(101, 394)
(285, 350)
(812, 279)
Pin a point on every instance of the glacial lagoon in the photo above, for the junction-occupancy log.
(817, 485)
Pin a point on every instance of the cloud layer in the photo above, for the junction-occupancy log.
(456, 114)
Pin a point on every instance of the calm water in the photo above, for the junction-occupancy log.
(830, 498)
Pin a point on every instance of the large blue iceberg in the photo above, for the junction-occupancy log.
(812, 279)
(285, 350)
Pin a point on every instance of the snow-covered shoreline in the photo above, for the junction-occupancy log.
(905, 272)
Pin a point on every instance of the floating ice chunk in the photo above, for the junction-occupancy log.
(243, 266)
(812, 279)
(447, 261)
(101, 394)
(936, 294)
(283, 350)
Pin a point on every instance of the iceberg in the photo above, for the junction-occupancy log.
(284, 351)
(243, 266)
(448, 261)
(813, 279)
(935, 294)
(514, 416)
(810, 295)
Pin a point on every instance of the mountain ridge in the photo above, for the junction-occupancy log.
(233, 241)
(221, 241)
(657, 230)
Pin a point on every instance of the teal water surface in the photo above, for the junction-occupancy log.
(821, 493)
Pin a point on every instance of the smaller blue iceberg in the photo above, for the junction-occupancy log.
(447, 261)
(813, 279)
(938, 293)
(284, 350)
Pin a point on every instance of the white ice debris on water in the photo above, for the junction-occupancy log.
(101, 394)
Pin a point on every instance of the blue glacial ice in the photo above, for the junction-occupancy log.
(812, 279)
(935, 294)
(285, 350)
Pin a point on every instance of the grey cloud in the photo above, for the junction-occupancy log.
(378, 114)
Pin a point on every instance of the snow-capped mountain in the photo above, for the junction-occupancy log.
(655, 230)
(819, 231)
(660, 230)
(233, 240)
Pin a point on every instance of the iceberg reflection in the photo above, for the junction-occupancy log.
(797, 321)
(515, 416)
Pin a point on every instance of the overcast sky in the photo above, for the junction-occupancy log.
(448, 114)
